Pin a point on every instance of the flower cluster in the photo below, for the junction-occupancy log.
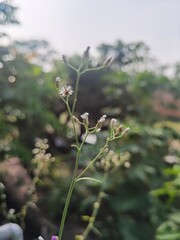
(112, 160)
(117, 131)
(41, 159)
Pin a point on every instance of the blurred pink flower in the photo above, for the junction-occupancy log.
(54, 238)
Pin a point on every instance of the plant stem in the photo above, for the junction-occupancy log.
(94, 159)
(76, 91)
(72, 185)
(97, 204)
(61, 228)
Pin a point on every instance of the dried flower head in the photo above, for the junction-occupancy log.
(66, 91)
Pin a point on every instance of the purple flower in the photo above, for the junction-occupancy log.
(54, 238)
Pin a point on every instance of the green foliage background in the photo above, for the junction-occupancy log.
(142, 198)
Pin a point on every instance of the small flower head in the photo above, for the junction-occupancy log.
(57, 82)
(85, 117)
(66, 91)
(101, 121)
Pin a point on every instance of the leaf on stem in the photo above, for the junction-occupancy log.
(88, 178)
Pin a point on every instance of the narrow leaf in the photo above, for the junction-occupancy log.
(88, 178)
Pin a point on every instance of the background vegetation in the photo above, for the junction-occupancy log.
(142, 199)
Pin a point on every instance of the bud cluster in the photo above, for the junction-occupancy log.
(41, 159)
(117, 131)
(113, 160)
(110, 161)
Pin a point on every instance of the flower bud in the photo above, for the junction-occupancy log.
(85, 118)
(107, 62)
(126, 131)
(119, 130)
(57, 82)
(86, 53)
(101, 121)
(113, 123)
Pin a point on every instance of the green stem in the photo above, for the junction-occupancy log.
(77, 82)
(76, 92)
(72, 120)
(72, 185)
(92, 69)
(94, 160)
(61, 228)
(97, 204)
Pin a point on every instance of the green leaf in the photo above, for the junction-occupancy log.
(175, 217)
(88, 178)
(168, 236)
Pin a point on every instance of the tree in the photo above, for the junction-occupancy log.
(8, 13)
(124, 54)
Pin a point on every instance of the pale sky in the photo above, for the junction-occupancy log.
(72, 25)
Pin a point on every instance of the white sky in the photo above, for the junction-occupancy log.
(72, 25)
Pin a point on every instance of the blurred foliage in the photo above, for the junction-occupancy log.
(8, 13)
(142, 198)
(26, 101)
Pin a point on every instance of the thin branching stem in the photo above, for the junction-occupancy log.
(94, 159)
(72, 185)
(96, 206)
(76, 91)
